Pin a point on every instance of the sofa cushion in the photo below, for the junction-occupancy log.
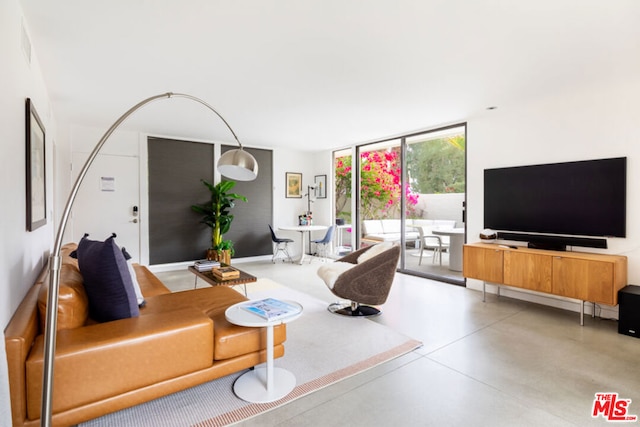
(102, 361)
(107, 280)
(388, 230)
(150, 285)
(422, 223)
(372, 226)
(73, 305)
(390, 225)
(393, 237)
(229, 340)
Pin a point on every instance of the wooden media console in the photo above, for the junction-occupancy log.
(580, 275)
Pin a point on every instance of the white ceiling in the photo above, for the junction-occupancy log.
(317, 74)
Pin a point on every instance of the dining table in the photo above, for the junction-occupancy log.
(456, 242)
(303, 230)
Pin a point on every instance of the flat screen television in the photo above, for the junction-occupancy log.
(582, 198)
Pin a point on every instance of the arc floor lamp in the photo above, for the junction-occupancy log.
(236, 164)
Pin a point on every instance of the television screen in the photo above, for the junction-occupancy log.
(585, 198)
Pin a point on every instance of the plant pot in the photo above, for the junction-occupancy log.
(223, 257)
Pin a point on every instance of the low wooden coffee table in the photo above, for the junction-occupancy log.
(208, 277)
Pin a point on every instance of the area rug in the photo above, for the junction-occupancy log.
(319, 350)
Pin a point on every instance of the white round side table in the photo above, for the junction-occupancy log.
(262, 384)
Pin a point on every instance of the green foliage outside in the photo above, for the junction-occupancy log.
(437, 166)
(434, 167)
(343, 187)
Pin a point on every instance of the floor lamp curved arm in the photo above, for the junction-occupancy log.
(238, 164)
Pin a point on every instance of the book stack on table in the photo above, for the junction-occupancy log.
(225, 273)
(205, 265)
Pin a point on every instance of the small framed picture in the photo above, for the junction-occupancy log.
(36, 189)
(320, 182)
(294, 185)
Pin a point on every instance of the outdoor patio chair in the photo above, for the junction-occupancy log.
(437, 244)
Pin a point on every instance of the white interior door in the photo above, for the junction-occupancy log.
(108, 201)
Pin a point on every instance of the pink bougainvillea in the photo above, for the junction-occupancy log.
(380, 184)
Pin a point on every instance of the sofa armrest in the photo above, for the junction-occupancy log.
(149, 283)
(19, 336)
(107, 359)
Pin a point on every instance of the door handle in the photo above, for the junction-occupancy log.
(134, 220)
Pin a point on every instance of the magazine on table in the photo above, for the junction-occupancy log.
(271, 308)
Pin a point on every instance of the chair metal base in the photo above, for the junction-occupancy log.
(322, 250)
(354, 310)
(277, 248)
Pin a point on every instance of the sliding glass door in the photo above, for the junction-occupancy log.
(379, 192)
(435, 171)
(409, 190)
(343, 202)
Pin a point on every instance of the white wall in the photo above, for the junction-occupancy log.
(23, 254)
(286, 210)
(597, 121)
(442, 206)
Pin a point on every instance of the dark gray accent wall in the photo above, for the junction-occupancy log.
(175, 232)
(249, 230)
(175, 170)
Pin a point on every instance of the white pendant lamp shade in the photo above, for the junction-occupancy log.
(239, 165)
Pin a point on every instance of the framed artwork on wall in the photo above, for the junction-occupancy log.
(294, 185)
(320, 182)
(35, 167)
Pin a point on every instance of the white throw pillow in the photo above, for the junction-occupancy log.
(375, 250)
(330, 272)
(134, 278)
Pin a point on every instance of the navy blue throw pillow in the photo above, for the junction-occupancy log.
(107, 280)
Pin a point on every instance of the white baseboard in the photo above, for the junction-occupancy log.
(161, 268)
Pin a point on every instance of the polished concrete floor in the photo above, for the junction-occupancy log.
(431, 265)
(500, 363)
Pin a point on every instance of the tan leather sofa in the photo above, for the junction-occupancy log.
(179, 340)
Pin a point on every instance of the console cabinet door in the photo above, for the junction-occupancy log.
(527, 270)
(483, 264)
(587, 280)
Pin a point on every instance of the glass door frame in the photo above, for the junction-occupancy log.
(356, 191)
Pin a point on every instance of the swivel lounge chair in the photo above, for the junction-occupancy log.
(322, 245)
(280, 245)
(364, 277)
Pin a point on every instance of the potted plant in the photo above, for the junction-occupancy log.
(217, 216)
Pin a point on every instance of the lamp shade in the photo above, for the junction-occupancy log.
(239, 165)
